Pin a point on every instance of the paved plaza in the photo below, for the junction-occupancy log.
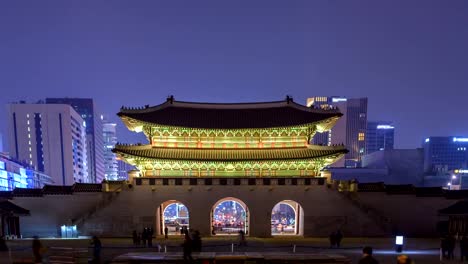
(77, 250)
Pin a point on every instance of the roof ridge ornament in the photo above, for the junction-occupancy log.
(289, 99)
(170, 99)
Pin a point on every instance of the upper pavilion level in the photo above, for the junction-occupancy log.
(229, 125)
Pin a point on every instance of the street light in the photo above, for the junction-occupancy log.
(399, 243)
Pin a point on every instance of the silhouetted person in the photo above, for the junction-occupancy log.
(135, 237)
(367, 257)
(96, 243)
(443, 246)
(196, 241)
(242, 241)
(4, 255)
(332, 239)
(144, 236)
(464, 248)
(187, 248)
(150, 237)
(166, 232)
(37, 249)
(3, 245)
(339, 237)
(450, 247)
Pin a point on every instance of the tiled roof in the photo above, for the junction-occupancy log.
(87, 187)
(229, 154)
(9, 207)
(400, 189)
(6, 194)
(27, 192)
(229, 116)
(429, 191)
(371, 187)
(57, 189)
(459, 208)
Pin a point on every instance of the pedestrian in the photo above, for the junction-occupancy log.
(332, 239)
(96, 243)
(403, 259)
(450, 246)
(166, 232)
(196, 241)
(135, 238)
(144, 236)
(464, 248)
(367, 257)
(187, 248)
(4, 254)
(150, 237)
(443, 246)
(242, 241)
(38, 250)
(339, 237)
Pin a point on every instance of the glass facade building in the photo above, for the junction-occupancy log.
(445, 154)
(380, 136)
(14, 174)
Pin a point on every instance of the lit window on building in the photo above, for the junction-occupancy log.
(361, 136)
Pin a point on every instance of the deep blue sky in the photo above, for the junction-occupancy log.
(409, 57)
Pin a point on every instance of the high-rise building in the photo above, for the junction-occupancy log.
(349, 130)
(51, 139)
(95, 152)
(123, 169)
(110, 160)
(379, 136)
(445, 154)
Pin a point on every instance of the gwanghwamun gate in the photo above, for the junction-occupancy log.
(222, 168)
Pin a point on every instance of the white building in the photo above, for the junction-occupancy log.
(110, 160)
(51, 138)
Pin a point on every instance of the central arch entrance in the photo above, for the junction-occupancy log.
(175, 216)
(287, 218)
(229, 216)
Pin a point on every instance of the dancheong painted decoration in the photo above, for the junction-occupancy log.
(234, 140)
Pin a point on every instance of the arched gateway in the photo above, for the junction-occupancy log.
(228, 146)
(287, 218)
(174, 216)
(229, 216)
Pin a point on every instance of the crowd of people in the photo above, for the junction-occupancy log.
(144, 238)
(448, 244)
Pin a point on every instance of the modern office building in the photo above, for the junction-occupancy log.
(445, 154)
(51, 138)
(349, 130)
(95, 151)
(123, 168)
(380, 136)
(111, 170)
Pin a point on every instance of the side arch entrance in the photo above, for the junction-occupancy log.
(229, 216)
(287, 218)
(174, 216)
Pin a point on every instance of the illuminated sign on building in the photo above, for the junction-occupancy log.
(427, 140)
(455, 139)
(461, 171)
(385, 127)
(336, 100)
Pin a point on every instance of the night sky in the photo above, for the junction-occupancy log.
(409, 57)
